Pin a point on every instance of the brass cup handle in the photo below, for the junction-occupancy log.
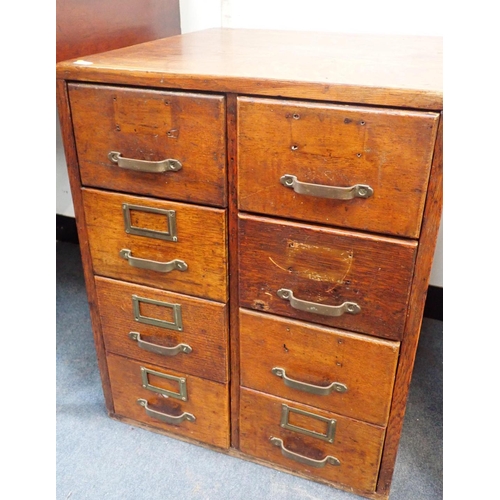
(321, 191)
(152, 265)
(314, 307)
(311, 462)
(309, 388)
(158, 349)
(168, 165)
(164, 417)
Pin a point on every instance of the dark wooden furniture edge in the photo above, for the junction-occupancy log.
(87, 27)
(234, 347)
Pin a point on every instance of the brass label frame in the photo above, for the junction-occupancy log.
(169, 235)
(176, 309)
(182, 394)
(331, 423)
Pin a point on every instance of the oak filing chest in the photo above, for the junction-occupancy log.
(257, 214)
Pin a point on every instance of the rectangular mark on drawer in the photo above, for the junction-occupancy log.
(150, 222)
(302, 260)
(153, 116)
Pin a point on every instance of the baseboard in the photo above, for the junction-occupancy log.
(66, 231)
(434, 303)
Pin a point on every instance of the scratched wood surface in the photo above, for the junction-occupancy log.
(328, 267)
(356, 444)
(204, 328)
(208, 401)
(201, 244)
(404, 71)
(319, 356)
(335, 146)
(153, 126)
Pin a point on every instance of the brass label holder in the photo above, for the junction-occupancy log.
(182, 394)
(170, 234)
(176, 324)
(331, 423)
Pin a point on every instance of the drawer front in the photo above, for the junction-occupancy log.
(203, 416)
(355, 445)
(332, 146)
(345, 373)
(167, 329)
(295, 270)
(151, 126)
(167, 245)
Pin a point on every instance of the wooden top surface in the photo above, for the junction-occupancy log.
(404, 71)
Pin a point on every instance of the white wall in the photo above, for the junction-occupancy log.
(362, 16)
(424, 17)
(198, 15)
(64, 201)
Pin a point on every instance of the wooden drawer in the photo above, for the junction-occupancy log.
(335, 145)
(328, 267)
(151, 126)
(167, 329)
(356, 445)
(203, 416)
(345, 373)
(200, 243)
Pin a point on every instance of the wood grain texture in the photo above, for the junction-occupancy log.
(208, 401)
(90, 26)
(340, 146)
(357, 445)
(326, 266)
(319, 356)
(403, 71)
(153, 126)
(233, 268)
(202, 237)
(88, 273)
(427, 244)
(204, 328)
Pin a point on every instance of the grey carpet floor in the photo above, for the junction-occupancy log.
(99, 458)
